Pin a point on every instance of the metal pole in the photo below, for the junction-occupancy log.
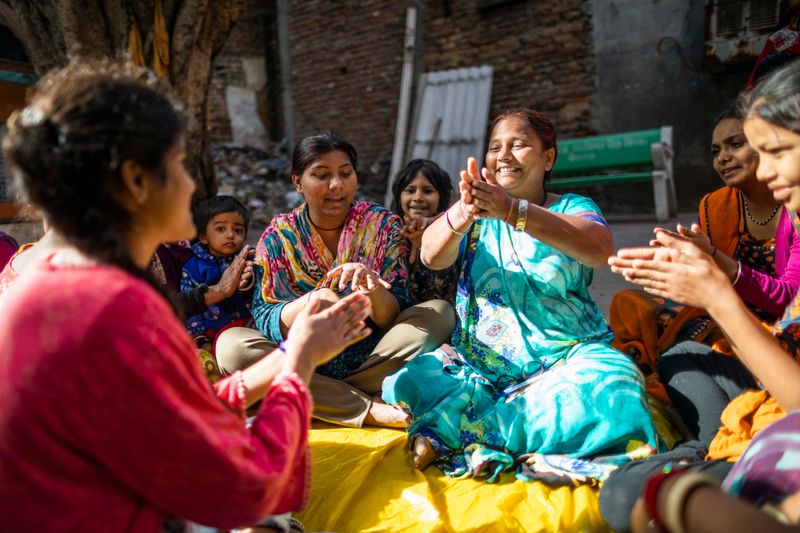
(407, 79)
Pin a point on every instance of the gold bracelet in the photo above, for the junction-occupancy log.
(522, 215)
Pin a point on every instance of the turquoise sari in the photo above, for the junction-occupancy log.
(531, 370)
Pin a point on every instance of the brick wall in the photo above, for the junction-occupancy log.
(541, 53)
(347, 58)
(246, 39)
(346, 61)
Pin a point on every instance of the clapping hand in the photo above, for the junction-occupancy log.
(677, 270)
(413, 230)
(318, 335)
(482, 195)
(690, 234)
(359, 277)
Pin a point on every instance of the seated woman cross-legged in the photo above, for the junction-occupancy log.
(331, 246)
(530, 369)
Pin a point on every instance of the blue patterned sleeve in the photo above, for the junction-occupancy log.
(267, 316)
(585, 207)
(188, 281)
(195, 324)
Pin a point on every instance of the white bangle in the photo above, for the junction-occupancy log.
(738, 273)
(679, 493)
(522, 215)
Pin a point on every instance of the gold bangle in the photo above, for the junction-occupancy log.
(522, 215)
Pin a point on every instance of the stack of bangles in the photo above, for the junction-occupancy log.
(685, 483)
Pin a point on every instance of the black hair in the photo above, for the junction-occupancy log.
(438, 178)
(732, 112)
(771, 62)
(66, 148)
(216, 205)
(776, 99)
(540, 124)
(312, 146)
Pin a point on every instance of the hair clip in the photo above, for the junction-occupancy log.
(31, 116)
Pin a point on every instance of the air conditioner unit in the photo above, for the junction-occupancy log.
(738, 29)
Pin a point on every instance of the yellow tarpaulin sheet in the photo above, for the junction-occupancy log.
(363, 480)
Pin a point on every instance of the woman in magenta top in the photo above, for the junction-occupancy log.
(107, 422)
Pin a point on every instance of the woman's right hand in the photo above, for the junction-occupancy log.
(687, 275)
(318, 335)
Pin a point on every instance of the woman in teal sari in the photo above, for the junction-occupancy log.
(531, 370)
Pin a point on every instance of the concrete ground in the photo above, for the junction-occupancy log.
(603, 287)
(627, 234)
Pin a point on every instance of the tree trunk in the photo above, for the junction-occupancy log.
(58, 30)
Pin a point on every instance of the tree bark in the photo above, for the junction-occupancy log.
(57, 30)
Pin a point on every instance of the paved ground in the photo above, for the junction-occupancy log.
(626, 234)
(603, 288)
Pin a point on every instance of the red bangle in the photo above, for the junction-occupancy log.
(651, 489)
(508, 213)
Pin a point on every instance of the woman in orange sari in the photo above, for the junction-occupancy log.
(750, 238)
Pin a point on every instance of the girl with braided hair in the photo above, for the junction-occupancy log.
(107, 422)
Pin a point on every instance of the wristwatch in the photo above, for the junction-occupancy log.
(522, 215)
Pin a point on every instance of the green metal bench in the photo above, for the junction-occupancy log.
(636, 156)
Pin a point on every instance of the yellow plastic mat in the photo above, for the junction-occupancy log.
(363, 480)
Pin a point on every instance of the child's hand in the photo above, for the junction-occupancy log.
(413, 230)
(231, 279)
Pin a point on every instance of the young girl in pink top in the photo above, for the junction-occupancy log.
(107, 422)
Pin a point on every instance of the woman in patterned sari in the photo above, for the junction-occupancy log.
(531, 369)
(331, 246)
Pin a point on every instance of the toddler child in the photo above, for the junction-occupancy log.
(222, 228)
(421, 193)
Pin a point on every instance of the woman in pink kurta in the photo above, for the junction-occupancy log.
(107, 422)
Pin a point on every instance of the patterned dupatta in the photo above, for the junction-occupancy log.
(295, 258)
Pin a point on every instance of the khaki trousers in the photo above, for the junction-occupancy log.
(420, 328)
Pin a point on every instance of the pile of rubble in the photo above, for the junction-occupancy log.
(259, 177)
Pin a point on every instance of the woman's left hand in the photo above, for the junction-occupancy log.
(682, 233)
(357, 275)
(247, 280)
(687, 276)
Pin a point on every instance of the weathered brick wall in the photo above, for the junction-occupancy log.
(245, 40)
(347, 58)
(346, 61)
(541, 53)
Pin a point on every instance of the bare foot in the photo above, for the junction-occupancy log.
(385, 415)
(423, 452)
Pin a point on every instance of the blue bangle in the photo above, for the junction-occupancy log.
(282, 347)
